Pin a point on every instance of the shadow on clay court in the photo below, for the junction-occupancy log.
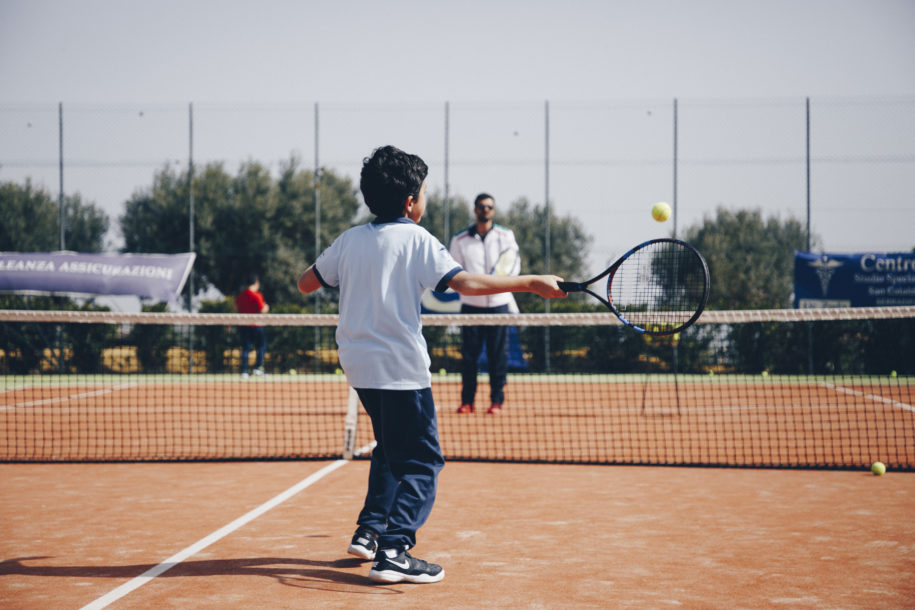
(347, 575)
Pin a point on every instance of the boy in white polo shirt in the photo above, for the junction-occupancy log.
(382, 269)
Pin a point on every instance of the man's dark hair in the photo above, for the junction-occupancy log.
(250, 278)
(481, 197)
(388, 177)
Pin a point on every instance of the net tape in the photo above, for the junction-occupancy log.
(529, 319)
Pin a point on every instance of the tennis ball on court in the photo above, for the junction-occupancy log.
(660, 211)
(442, 371)
(292, 371)
(338, 371)
(878, 468)
(765, 373)
(892, 373)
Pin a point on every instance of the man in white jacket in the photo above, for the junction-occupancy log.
(478, 249)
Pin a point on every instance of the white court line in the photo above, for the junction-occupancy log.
(874, 397)
(198, 546)
(50, 401)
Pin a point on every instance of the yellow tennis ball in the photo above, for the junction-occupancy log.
(442, 371)
(660, 211)
(878, 468)
(338, 371)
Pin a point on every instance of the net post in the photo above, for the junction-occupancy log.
(350, 424)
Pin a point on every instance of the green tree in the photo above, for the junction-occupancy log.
(153, 341)
(29, 221)
(569, 244)
(30, 347)
(156, 219)
(249, 222)
(459, 216)
(751, 264)
(215, 341)
(750, 258)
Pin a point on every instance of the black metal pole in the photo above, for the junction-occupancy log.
(61, 217)
(546, 205)
(317, 189)
(190, 231)
(676, 163)
(446, 208)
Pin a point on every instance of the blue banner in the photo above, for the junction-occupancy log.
(854, 280)
(153, 276)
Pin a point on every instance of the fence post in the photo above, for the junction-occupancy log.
(317, 188)
(190, 232)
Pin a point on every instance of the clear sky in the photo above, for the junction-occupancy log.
(469, 52)
(345, 50)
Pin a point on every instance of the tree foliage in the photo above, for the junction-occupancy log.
(750, 258)
(568, 244)
(459, 216)
(249, 222)
(30, 347)
(29, 221)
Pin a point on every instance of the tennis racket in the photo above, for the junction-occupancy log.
(508, 263)
(660, 287)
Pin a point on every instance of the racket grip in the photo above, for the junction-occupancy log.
(571, 287)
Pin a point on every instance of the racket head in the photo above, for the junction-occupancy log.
(508, 263)
(660, 287)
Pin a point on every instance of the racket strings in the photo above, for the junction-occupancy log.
(658, 287)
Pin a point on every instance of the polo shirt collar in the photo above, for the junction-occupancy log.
(401, 219)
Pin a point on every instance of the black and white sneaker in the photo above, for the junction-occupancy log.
(393, 565)
(364, 543)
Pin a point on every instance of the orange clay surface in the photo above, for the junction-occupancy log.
(508, 535)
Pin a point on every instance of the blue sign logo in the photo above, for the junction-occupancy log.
(854, 280)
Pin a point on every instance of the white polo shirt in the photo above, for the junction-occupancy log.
(382, 269)
(478, 255)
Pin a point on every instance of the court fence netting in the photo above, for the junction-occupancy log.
(824, 388)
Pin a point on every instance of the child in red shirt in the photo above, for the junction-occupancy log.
(250, 300)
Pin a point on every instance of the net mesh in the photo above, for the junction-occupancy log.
(768, 388)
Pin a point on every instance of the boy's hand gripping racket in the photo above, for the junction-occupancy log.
(660, 287)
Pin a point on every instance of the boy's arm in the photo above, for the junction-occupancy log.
(477, 284)
(309, 281)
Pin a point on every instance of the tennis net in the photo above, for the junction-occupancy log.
(766, 388)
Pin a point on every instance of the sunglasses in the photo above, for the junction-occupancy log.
(483, 206)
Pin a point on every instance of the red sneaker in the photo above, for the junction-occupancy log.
(495, 408)
(465, 409)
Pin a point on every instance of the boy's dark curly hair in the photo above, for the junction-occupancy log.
(388, 177)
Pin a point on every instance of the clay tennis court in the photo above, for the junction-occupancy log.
(274, 533)
(508, 535)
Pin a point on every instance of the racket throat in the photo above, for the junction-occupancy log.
(572, 287)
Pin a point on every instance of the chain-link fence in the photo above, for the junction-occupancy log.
(847, 162)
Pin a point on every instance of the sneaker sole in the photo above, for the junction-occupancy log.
(392, 576)
(359, 551)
